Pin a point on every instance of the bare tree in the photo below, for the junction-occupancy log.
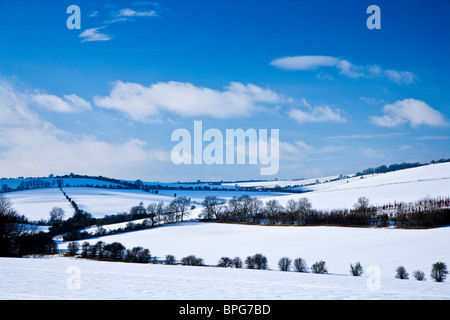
(319, 267)
(72, 248)
(170, 259)
(401, 273)
(237, 262)
(292, 210)
(56, 215)
(273, 209)
(304, 209)
(213, 207)
(179, 206)
(300, 265)
(256, 207)
(233, 207)
(284, 264)
(11, 227)
(419, 275)
(225, 262)
(439, 271)
(357, 269)
(257, 261)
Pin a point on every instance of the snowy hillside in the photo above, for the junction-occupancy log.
(67, 278)
(382, 249)
(407, 185)
(53, 182)
(36, 204)
(338, 246)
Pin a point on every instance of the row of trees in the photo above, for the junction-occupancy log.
(423, 213)
(156, 212)
(117, 252)
(439, 272)
(245, 209)
(397, 166)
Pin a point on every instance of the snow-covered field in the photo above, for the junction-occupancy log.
(36, 204)
(407, 185)
(65, 182)
(70, 278)
(101, 202)
(337, 246)
(380, 251)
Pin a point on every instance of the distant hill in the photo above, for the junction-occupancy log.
(396, 166)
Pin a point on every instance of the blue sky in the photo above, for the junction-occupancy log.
(104, 99)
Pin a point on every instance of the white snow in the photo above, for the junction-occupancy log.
(72, 182)
(376, 248)
(70, 278)
(407, 185)
(36, 204)
(337, 246)
(101, 202)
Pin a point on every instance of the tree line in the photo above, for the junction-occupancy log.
(117, 252)
(397, 166)
(154, 214)
(245, 209)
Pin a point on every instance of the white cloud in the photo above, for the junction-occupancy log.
(343, 66)
(93, 34)
(400, 76)
(32, 146)
(412, 111)
(304, 62)
(67, 104)
(317, 114)
(145, 103)
(133, 13)
(13, 108)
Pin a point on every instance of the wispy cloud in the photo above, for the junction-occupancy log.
(411, 111)
(68, 104)
(117, 15)
(368, 136)
(93, 34)
(344, 67)
(434, 138)
(317, 114)
(133, 13)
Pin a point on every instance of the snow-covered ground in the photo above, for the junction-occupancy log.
(36, 204)
(337, 246)
(380, 251)
(72, 182)
(101, 202)
(407, 185)
(70, 278)
(283, 183)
